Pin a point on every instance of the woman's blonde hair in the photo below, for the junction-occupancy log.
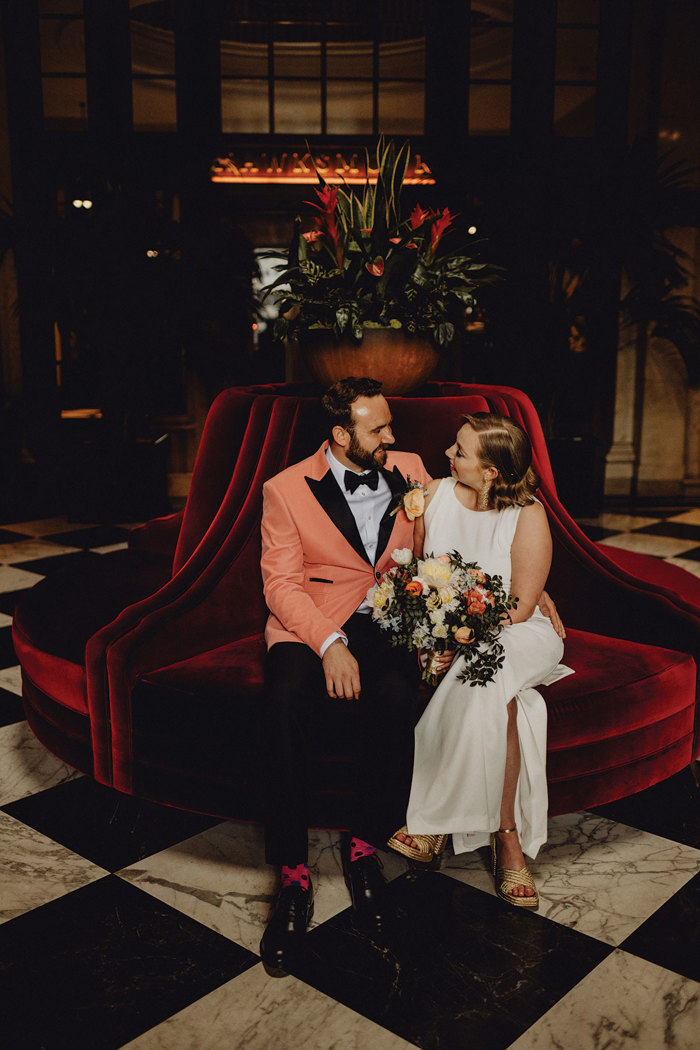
(505, 445)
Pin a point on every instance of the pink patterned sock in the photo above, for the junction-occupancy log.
(360, 848)
(298, 876)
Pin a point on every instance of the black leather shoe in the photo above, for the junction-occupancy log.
(364, 879)
(284, 934)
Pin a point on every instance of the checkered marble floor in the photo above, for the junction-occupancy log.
(127, 924)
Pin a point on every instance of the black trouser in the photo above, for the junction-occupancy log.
(379, 730)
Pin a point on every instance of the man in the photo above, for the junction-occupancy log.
(327, 536)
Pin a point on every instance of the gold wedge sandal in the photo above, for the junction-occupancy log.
(431, 846)
(507, 879)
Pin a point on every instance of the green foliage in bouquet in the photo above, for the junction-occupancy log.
(444, 603)
(365, 265)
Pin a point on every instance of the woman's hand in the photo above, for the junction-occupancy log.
(548, 608)
(439, 662)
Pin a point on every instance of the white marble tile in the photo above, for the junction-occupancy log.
(5, 620)
(220, 878)
(11, 678)
(625, 1003)
(595, 875)
(688, 517)
(26, 767)
(619, 522)
(49, 526)
(108, 548)
(260, 1013)
(16, 579)
(643, 543)
(686, 563)
(35, 869)
(26, 550)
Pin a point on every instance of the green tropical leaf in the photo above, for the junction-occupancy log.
(342, 317)
(444, 333)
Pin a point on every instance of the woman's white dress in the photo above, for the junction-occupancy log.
(460, 754)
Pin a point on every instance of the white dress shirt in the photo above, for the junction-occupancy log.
(367, 508)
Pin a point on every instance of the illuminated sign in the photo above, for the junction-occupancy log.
(300, 168)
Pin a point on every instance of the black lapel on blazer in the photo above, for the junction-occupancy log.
(397, 484)
(328, 493)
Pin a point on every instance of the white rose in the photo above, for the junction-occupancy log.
(439, 631)
(402, 555)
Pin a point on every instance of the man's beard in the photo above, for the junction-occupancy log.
(362, 458)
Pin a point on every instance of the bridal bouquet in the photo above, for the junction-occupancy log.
(444, 603)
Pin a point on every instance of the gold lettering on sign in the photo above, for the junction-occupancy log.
(304, 168)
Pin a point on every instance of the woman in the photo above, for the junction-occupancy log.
(479, 769)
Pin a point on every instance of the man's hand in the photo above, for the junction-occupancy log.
(342, 672)
(548, 608)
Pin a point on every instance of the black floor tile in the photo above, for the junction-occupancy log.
(647, 512)
(8, 599)
(56, 562)
(693, 554)
(98, 536)
(8, 657)
(461, 968)
(678, 530)
(103, 964)
(110, 829)
(670, 809)
(670, 937)
(8, 536)
(11, 709)
(597, 532)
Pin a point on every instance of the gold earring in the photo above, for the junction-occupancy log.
(483, 499)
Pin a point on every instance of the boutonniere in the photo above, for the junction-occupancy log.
(411, 500)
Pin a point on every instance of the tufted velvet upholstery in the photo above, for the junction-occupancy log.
(150, 679)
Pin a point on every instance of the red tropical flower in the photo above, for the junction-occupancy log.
(328, 196)
(311, 236)
(418, 217)
(443, 221)
(376, 268)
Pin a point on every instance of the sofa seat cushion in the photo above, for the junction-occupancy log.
(625, 702)
(232, 669)
(623, 694)
(55, 619)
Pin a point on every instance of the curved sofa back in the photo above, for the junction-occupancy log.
(235, 435)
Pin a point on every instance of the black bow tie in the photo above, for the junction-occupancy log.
(353, 480)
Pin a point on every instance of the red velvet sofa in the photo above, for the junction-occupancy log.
(144, 669)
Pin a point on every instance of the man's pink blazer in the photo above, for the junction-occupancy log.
(314, 567)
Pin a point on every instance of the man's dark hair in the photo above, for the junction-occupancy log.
(338, 399)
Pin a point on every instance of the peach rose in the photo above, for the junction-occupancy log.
(463, 635)
(414, 587)
(414, 504)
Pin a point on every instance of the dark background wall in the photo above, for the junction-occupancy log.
(525, 111)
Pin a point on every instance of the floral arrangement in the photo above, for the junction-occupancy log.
(412, 500)
(363, 265)
(444, 603)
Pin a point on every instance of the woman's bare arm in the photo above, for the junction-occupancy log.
(530, 558)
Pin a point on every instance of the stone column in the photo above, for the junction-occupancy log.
(621, 460)
(691, 474)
